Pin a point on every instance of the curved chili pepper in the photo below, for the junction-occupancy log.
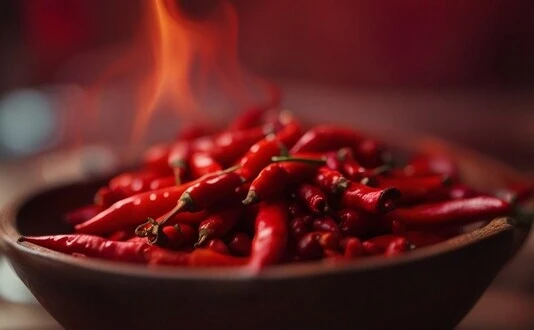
(271, 234)
(179, 156)
(368, 199)
(240, 244)
(270, 182)
(326, 224)
(133, 210)
(459, 211)
(217, 245)
(229, 146)
(92, 246)
(313, 198)
(309, 246)
(201, 163)
(327, 138)
(417, 188)
(330, 181)
(218, 224)
(396, 247)
(164, 182)
(82, 214)
(155, 159)
(353, 223)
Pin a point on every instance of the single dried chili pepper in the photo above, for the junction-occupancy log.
(92, 246)
(313, 197)
(217, 245)
(271, 234)
(240, 244)
(133, 210)
(353, 223)
(82, 214)
(218, 224)
(327, 138)
(416, 189)
(270, 182)
(331, 181)
(368, 199)
(396, 247)
(155, 159)
(201, 163)
(459, 211)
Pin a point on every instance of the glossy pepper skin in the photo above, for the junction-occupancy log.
(131, 183)
(201, 163)
(331, 181)
(93, 246)
(326, 138)
(202, 257)
(133, 210)
(313, 197)
(459, 211)
(368, 199)
(270, 182)
(155, 159)
(178, 235)
(271, 234)
(416, 189)
(218, 224)
(230, 146)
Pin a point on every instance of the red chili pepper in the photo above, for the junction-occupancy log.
(370, 153)
(326, 224)
(416, 189)
(82, 214)
(218, 224)
(327, 138)
(396, 247)
(269, 183)
(178, 235)
(131, 183)
(133, 210)
(330, 181)
(155, 159)
(271, 234)
(379, 243)
(370, 248)
(313, 198)
(217, 245)
(104, 197)
(353, 223)
(300, 225)
(179, 156)
(201, 163)
(240, 244)
(329, 241)
(368, 199)
(230, 146)
(299, 170)
(92, 246)
(459, 211)
(164, 182)
(352, 247)
(122, 235)
(309, 246)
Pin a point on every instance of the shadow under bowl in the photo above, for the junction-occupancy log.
(429, 288)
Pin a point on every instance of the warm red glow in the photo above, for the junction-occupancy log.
(193, 65)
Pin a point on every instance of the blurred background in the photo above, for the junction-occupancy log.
(460, 70)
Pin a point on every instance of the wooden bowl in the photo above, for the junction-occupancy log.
(429, 288)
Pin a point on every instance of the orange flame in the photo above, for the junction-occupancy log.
(194, 67)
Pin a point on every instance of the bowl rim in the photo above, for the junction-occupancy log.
(9, 236)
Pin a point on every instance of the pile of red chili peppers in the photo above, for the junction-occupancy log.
(264, 192)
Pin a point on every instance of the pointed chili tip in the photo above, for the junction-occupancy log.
(251, 198)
